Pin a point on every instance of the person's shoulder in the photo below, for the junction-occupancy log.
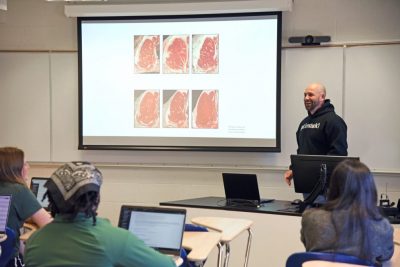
(315, 214)
(15, 188)
(316, 217)
(13, 185)
(106, 224)
(383, 223)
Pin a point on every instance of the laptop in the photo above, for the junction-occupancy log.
(242, 188)
(159, 228)
(5, 201)
(38, 189)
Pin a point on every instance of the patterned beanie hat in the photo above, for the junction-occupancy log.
(72, 180)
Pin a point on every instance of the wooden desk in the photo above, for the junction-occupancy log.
(29, 229)
(200, 244)
(276, 233)
(229, 228)
(396, 236)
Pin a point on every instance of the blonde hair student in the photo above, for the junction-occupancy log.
(24, 206)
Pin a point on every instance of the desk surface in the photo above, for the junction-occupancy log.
(200, 244)
(281, 207)
(228, 227)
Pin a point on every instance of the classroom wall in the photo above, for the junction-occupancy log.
(39, 104)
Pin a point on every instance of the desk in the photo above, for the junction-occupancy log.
(396, 236)
(280, 207)
(229, 228)
(29, 229)
(276, 233)
(200, 244)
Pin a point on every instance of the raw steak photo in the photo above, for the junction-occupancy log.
(176, 54)
(205, 53)
(176, 109)
(147, 53)
(147, 109)
(205, 112)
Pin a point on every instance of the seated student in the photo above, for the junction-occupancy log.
(77, 237)
(350, 222)
(23, 206)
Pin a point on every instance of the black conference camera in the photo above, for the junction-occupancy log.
(309, 40)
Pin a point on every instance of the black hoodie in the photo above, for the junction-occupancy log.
(322, 133)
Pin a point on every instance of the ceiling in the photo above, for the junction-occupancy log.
(134, 1)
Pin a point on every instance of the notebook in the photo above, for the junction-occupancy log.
(38, 189)
(5, 201)
(242, 188)
(159, 228)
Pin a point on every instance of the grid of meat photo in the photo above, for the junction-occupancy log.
(175, 58)
(175, 109)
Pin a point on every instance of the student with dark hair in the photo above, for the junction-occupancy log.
(24, 206)
(77, 237)
(350, 222)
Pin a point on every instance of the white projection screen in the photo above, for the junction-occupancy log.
(190, 82)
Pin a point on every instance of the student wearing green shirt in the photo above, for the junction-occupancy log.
(77, 237)
(24, 206)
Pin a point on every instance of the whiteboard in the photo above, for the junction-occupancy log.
(39, 108)
(24, 103)
(372, 109)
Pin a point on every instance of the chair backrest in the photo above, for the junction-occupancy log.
(297, 259)
(7, 247)
(195, 228)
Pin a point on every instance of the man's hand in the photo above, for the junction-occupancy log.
(288, 177)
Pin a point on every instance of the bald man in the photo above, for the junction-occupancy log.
(322, 132)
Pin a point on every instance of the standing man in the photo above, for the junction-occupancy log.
(322, 132)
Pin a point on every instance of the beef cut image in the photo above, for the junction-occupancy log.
(147, 53)
(176, 109)
(176, 54)
(205, 112)
(147, 109)
(205, 53)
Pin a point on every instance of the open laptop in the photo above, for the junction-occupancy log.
(5, 201)
(38, 189)
(242, 188)
(159, 228)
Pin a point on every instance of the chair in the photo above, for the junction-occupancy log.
(297, 259)
(229, 228)
(7, 247)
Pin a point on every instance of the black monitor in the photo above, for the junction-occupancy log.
(307, 169)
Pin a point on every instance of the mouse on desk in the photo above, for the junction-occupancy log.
(296, 202)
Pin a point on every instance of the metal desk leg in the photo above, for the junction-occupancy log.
(246, 261)
(220, 251)
(227, 254)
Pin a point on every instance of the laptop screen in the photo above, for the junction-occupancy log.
(38, 189)
(241, 187)
(4, 209)
(159, 228)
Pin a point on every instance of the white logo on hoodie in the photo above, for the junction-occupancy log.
(310, 125)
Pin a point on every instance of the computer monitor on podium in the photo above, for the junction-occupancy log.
(307, 170)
